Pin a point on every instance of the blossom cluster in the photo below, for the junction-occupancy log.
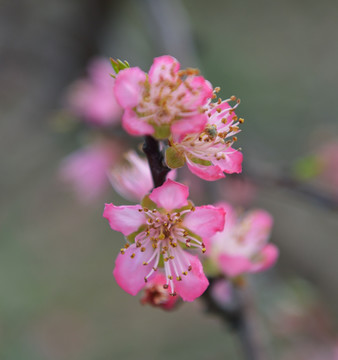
(168, 238)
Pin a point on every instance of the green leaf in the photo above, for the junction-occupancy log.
(161, 132)
(201, 161)
(147, 203)
(118, 65)
(131, 237)
(174, 159)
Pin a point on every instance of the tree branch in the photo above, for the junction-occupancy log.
(159, 169)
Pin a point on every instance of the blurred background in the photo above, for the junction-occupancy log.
(58, 299)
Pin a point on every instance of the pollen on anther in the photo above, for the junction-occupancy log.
(143, 249)
(170, 277)
(145, 263)
(178, 278)
(122, 251)
(185, 273)
(132, 255)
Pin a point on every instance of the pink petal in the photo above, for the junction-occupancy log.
(232, 162)
(125, 219)
(233, 265)
(268, 255)
(209, 173)
(129, 87)
(195, 283)
(258, 233)
(205, 221)
(134, 125)
(202, 88)
(171, 195)
(130, 272)
(163, 68)
(188, 125)
(231, 215)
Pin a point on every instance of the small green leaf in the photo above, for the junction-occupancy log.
(131, 237)
(201, 161)
(161, 132)
(174, 158)
(147, 203)
(118, 65)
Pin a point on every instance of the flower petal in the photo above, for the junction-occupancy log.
(232, 162)
(233, 265)
(125, 219)
(188, 125)
(129, 87)
(130, 272)
(268, 257)
(209, 173)
(195, 283)
(205, 221)
(163, 68)
(134, 125)
(171, 195)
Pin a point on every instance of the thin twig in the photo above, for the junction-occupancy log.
(159, 169)
(234, 314)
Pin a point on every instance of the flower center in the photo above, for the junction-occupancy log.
(163, 239)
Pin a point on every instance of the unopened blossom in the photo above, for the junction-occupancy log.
(156, 295)
(132, 179)
(86, 169)
(92, 98)
(242, 247)
(166, 100)
(159, 235)
(209, 153)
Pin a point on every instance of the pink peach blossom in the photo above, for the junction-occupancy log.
(86, 169)
(156, 295)
(165, 100)
(158, 230)
(242, 246)
(209, 153)
(93, 98)
(133, 179)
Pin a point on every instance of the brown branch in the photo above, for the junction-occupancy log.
(159, 169)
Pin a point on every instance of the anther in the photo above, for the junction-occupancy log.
(145, 263)
(170, 277)
(189, 268)
(165, 286)
(241, 120)
(217, 89)
(138, 244)
(173, 294)
(132, 256)
(143, 249)
(122, 251)
(126, 246)
(185, 273)
(233, 98)
(178, 278)
(145, 279)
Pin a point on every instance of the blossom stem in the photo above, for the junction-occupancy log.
(159, 169)
(235, 315)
